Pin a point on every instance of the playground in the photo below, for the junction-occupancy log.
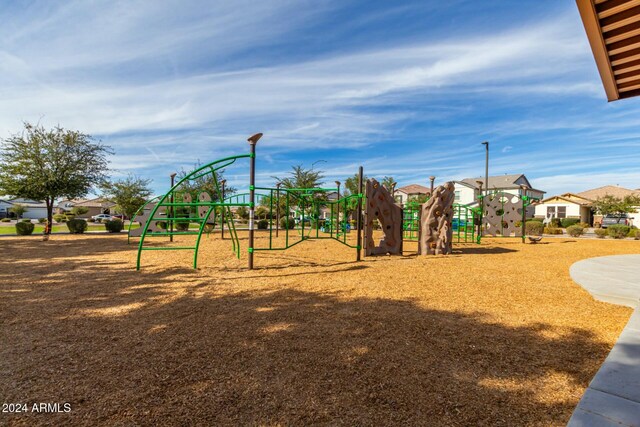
(494, 333)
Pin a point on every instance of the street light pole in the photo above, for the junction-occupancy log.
(223, 182)
(481, 210)
(431, 179)
(486, 167)
(317, 161)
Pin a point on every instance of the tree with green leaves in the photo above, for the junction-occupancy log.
(611, 205)
(79, 210)
(49, 164)
(387, 182)
(300, 177)
(129, 193)
(351, 184)
(242, 212)
(18, 209)
(351, 187)
(205, 183)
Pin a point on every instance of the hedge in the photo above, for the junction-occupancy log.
(114, 226)
(181, 225)
(568, 222)
(287, 221)
(601, 233)
(618, 231)
(575, 231)
(77, 226)
(24, 228)
(533, 228)
(263, 224)
(553, 230)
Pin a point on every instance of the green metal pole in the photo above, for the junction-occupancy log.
(302, 209)
(338, 213)
(223, 182)
(173, 176)
(481, 205)
(253, 140)
(270, 219)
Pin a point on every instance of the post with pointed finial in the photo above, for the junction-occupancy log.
(432, 180)
(486, 167)
(277, 207)
(223, 182)
(338, 210)
(393, 191)
(359, 214)
(253, 140)
(171, 209)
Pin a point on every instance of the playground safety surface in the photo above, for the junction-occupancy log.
(495, 334)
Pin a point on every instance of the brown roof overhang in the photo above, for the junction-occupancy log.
(613, 30)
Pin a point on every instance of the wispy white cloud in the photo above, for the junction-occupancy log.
(558, 184)
(171, 83)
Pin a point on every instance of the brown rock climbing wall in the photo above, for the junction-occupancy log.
(501, 213)
(381, 207)
(435, 235)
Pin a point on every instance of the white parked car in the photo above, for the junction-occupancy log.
(102, 217)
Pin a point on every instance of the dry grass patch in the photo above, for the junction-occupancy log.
(496, 334)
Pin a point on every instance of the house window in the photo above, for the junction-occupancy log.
(562, 211)
(457, 197)
(551, 211)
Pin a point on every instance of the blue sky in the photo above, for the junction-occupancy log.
(407, 89)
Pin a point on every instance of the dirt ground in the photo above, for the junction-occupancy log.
(495, 334)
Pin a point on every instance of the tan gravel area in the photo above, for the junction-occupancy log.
(495, 334)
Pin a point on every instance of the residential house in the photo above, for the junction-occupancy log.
(95, 206)
(409, 192)
(567, 205)
(580, 205)
(35, 208)
(5, 205)
(468, 189)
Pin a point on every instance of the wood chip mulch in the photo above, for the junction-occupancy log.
(495, 334)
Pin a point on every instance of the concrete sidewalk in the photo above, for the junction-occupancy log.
(613, 396)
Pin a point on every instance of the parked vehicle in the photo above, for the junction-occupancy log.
(613, 219)
(119, 216)
(102, 217)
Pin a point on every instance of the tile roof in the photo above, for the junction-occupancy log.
(414, 189)
(98, 202)
(500, 181)
(611, 190)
